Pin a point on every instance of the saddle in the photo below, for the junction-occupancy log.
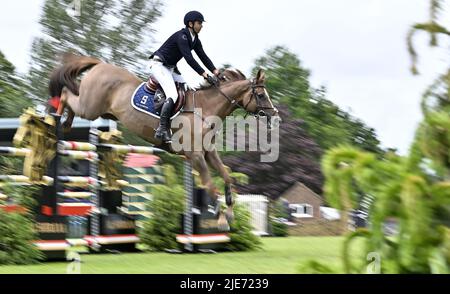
(153, 86)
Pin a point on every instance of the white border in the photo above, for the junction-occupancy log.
(146, 112)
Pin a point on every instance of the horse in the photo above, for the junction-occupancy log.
(104, 90)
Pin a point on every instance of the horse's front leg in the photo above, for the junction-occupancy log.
(213, 158)
(200, 165)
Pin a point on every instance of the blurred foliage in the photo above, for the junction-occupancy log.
(314, 267)
(116, 31)
(298, 161)
(167, 206)
(311, 123)
(10, 165)
(13, 98)
(241, 235)
(278, 215)
(402, 192)
(414, 190)
(22, 195)
(159, 232)
(16, 239)
(17, 230)
(432, 27)
(288, 84)
(238, 178)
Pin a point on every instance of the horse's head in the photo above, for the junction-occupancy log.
(256, 100)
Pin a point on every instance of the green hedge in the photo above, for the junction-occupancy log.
(16, 239)
(242, 238)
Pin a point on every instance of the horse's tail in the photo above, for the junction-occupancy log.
(66, 75)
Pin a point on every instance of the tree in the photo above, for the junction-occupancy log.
(288, 84)
(13, 98)
(433, 27)
(413, 189)
(320, 125)
(115, 31)
(298, 161)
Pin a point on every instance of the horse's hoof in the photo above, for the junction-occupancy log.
(222, 223)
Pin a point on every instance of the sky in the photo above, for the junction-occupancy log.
(355, 48)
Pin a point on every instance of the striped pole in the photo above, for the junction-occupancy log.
(93, 172)
(79, 146)
(11, 151)
(78, 180)
(80, 155)
(22, 179)
(14, 178)
(74, 181)
(188, 229)
(55, 166)
(80, 195)
(130, 149)
(82, 146)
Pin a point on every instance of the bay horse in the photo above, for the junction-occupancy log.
(105, 91)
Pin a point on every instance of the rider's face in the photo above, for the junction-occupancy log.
(198, 25)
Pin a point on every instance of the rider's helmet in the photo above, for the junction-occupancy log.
(193, 16)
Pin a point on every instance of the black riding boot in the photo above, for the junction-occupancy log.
(163, 131)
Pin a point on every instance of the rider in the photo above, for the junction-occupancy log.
(163, 66)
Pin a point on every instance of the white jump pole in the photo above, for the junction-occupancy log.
(188, 217)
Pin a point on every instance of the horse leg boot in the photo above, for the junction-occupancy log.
(163, 131)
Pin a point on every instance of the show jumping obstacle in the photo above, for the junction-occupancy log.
(200, 233)
(53, 207)
(104, 193)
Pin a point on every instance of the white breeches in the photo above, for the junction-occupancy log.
(166, 78)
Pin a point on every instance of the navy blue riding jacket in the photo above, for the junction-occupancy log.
(180, 45)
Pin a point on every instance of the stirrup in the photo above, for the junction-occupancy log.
(163, 136)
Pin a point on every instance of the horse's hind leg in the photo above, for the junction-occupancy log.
(67, 124)
(72, 101)
(61, 106)
(199, 164)
(213, 158)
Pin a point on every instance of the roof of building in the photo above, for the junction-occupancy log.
(299, 188)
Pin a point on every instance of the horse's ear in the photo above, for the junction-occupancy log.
(260, 76)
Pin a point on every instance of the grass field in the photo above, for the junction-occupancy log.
(278, 256)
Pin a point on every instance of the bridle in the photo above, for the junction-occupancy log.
(260, 110)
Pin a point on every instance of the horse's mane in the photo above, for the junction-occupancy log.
(233, 74)
(226, 76)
